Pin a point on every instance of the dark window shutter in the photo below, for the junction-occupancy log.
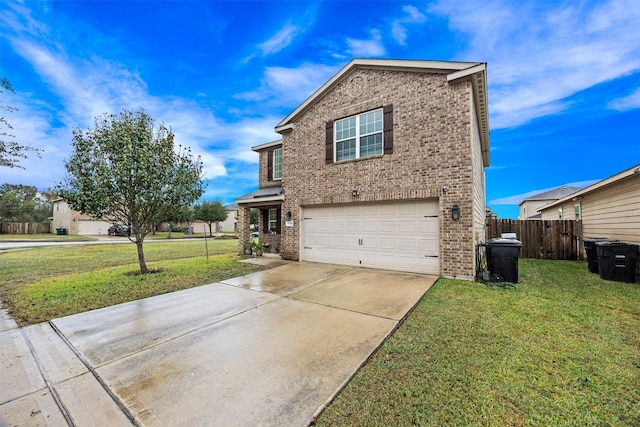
(270, 165)
(265, 221)
(387, 113)
(278, 224)
(329, 142)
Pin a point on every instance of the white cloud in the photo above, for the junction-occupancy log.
(368, 47)
(399, 25)
(627, 103)
(539, 54)
(280, 40)
(290, 86)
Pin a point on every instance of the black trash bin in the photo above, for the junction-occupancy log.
(617, 261)
(502, 259)
(61, 231)
(592, 253)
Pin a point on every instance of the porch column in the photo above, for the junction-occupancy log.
(244, 227)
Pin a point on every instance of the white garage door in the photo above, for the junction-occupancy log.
(395, 236)
(89, 227)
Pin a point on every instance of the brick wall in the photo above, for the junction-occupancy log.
(263, 180)
(432, 149)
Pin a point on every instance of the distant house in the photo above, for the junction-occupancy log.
(530, 207)
(75, 222)
(231, 223)
(609, 208)
(382, 167)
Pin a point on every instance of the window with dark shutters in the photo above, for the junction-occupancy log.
(359, 136)
(271, 219)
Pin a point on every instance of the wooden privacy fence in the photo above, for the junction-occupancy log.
(557, 239)
(24, 227)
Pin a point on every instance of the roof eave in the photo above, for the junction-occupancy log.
(267, 145)
(478, 75)
(392, 64)
(260, 200)
(600, 184)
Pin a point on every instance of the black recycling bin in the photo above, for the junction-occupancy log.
(617, 261)
(502, 259)
(592, 253)
(61, 231)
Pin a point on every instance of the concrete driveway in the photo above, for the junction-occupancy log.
(269, 348)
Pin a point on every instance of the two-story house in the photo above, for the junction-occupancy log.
(381, 167)
(530, 207)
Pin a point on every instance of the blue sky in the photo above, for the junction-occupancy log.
(564, 77)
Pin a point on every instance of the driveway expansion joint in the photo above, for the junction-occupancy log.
(47, 381)
(98, 378)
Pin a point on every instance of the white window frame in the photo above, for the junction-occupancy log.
(273, 220)
(359, 135)
(577, 210)
(560, 213)
(277, 164)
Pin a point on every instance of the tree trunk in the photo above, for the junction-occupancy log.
(210, 232)
(141, 261)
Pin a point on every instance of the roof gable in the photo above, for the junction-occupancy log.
(455, 71)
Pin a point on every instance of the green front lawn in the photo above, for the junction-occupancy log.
(40, 284)
(560, 348)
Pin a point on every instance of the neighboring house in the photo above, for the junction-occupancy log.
(609, 208)
(75, 222)
(231, 223)
(530, 207)
(382, 167)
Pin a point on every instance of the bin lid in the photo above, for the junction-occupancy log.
(504, 242)
(614, 243)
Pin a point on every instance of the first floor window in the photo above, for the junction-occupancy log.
(560, 213)
(577, 211)
(273, 221)
(359, 136)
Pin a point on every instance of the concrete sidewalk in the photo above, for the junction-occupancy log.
(270, 348)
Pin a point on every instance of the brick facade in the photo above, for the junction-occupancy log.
(433, 147)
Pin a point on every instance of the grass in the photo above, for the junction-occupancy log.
(560, 348)
(40, 284)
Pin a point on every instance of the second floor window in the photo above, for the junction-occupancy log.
(277, 163)
(359, 136)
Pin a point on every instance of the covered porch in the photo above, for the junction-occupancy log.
(268, 203)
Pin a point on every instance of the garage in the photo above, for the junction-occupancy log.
(91, 227)
(399, 236)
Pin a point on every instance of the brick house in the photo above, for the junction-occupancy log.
(382, 167)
